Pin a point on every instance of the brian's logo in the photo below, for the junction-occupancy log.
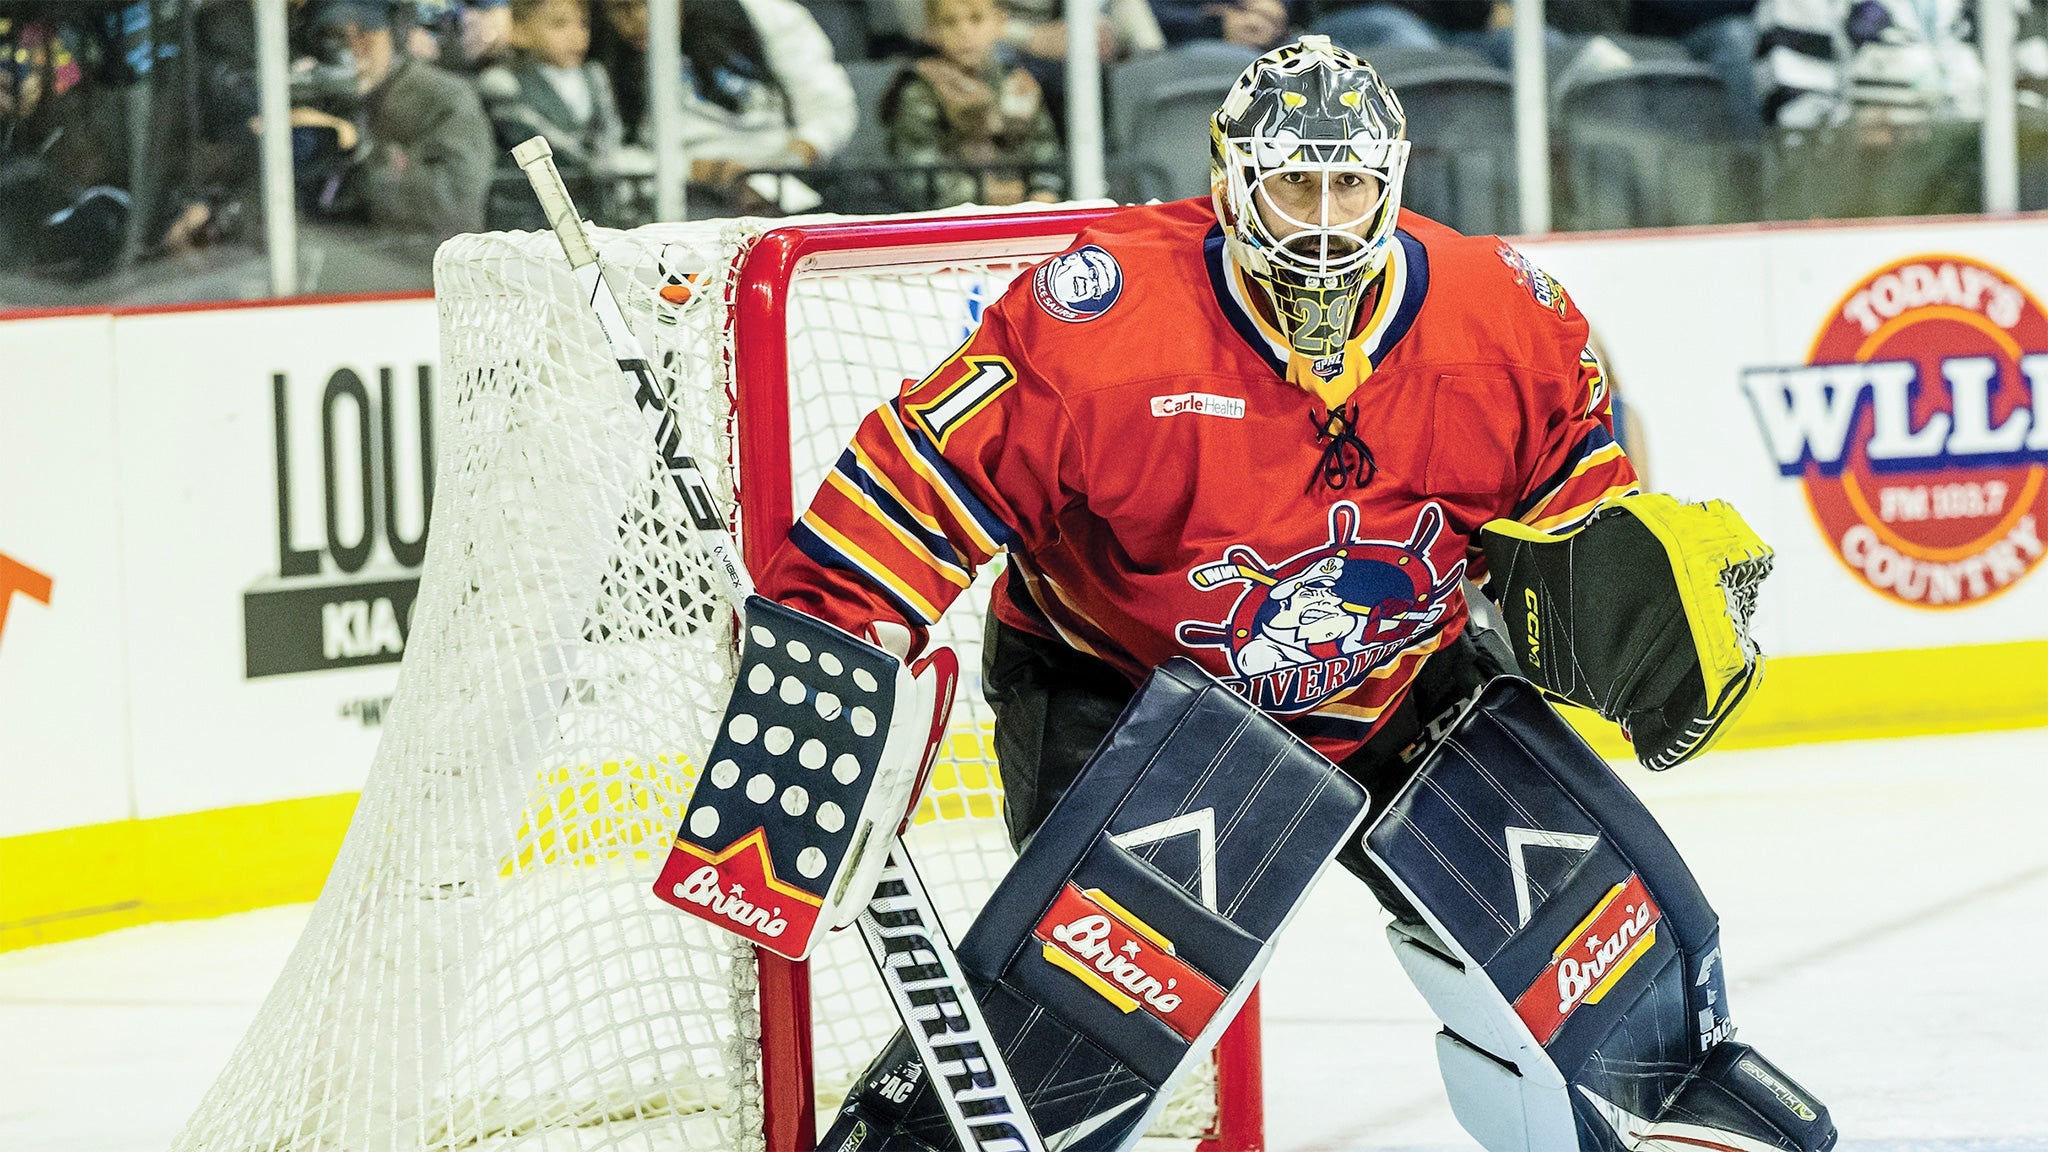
(1321, 621)
(1593, 959)
(1079, 285)
(1919, 427)
(1125, 960)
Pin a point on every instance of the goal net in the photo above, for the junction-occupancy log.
(487, 967)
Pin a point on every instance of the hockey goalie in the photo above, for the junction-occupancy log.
(1252, 459)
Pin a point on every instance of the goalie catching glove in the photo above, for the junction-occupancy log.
(1641, 614)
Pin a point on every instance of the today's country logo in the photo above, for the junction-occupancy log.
(1919, 429)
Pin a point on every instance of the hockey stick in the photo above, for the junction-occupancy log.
(904, 937)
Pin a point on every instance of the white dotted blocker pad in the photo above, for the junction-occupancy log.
(798, 748)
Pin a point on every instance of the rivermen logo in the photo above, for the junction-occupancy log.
(1126, 961)
(1322, 621)
(1919, 427)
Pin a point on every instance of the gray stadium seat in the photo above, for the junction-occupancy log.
(871, 80)
(1132, 83)
(1461, 121)
(1168, 156)
(1159, 109)
(1651, 144)
(845, 23)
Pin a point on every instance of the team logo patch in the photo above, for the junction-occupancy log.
(1919, 429)
(1590, 961)
(1125, 960)
(1321, 621)
(1079, 285)
(1541, 285)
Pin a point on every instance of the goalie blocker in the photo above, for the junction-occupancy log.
(1134, 922)
(808, 779)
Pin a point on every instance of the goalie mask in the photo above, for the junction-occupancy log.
(1306, 158)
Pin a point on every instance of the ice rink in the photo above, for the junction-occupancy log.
(1884, 914)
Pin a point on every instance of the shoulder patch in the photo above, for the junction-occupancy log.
(1078, 286)
(1541, 285)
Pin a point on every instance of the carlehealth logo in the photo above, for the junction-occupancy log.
(1919, 428)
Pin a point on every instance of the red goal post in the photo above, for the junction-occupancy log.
(763, 384)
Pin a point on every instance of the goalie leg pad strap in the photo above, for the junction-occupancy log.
(1567, 948)
(1139, 915)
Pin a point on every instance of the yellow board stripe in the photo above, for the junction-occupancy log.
(76, 882)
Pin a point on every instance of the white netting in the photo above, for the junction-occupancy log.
(486, 967)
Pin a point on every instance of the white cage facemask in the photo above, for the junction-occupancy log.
(1307, 159)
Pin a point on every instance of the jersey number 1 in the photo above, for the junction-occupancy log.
(958, 402)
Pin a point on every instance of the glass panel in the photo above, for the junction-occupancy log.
(128, 162)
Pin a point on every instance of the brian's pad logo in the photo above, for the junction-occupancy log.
(1919, 427)
(1079, 285)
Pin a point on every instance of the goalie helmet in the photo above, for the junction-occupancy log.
(1307, 154)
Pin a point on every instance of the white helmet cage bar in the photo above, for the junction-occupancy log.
(1310, 113)
(1313, 109)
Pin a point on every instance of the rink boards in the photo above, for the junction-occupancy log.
(213, 520)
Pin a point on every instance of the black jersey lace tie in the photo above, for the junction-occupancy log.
(1346, 462)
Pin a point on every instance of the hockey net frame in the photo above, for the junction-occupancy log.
(761, 321)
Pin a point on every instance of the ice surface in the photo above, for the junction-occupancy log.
(1884, 914)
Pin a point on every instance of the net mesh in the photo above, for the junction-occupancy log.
(486, 967)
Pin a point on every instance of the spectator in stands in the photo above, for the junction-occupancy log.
(63, 207)
(461, 35)
(1255, 24)
(1035, 31)
(1036, 34)
(1719, 33)
(1876, 62)
(417, 152)
(967, 108)
(761, 93)
(549, 87)
(1877, 102)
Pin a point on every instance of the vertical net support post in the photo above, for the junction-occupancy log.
(763, 387)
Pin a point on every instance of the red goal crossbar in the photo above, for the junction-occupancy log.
(761, 382)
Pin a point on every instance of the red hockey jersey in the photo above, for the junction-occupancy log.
(1120, 423)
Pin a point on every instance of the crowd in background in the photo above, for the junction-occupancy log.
(129, 128)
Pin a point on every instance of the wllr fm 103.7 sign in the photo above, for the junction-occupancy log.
(1919, 429)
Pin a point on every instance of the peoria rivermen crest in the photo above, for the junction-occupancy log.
(1321, 621)
(1919, 429)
